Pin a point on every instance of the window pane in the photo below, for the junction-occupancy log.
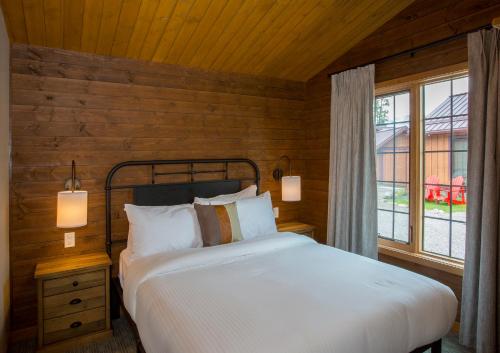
(402, 167)
(460, 140)
(461, 85)
(385, 167)
(458, 240)
(385, 196)
(459, 206)
(401, 197)
(437, 99)
(402, 137)
(437, 134)
(384, 138)
(437, 168)
(385, 224)
(436, 236)
(459, 169)
(401, 224)
(384, 110)
(437, 208)
(402, 107)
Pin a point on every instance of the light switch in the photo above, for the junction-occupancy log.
(69, 240)
(276, 211)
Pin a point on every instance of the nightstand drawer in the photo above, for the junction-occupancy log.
(73, 282)
(74, 325)
(72, 302)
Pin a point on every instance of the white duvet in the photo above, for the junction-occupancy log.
(282, 293)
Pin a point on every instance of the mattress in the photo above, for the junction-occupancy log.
(282, 293)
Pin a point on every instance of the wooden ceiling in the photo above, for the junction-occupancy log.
(289, 39)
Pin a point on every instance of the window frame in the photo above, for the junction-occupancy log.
(413, 251)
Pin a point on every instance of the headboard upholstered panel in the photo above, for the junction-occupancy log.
(175, 194)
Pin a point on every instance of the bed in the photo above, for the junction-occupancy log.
(278, 293)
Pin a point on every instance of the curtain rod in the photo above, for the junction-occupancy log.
(413, 51)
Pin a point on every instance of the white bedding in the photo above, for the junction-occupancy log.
(126, 258)
(282, 293)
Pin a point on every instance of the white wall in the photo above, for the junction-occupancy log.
(4, 184)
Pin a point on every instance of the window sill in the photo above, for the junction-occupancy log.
(424, 260)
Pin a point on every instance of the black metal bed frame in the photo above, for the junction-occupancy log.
(153, 194)
(147, 194)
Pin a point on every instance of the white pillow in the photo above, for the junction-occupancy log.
(256, 216)
(154, 229)
(250, 191)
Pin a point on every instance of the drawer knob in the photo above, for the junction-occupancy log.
(75, 301)
(76, 324)
(75, 283)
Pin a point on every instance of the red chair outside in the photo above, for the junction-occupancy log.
(432, 190)
(457, 192)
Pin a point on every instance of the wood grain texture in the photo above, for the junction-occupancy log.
(103, 110)
(291, 39)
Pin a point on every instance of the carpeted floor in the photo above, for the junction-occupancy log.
(124, 342)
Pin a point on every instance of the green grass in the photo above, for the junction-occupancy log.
(402, 199)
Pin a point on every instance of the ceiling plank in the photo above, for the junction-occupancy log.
(162, 17)
(308, 68)
(14, 17)
(142, 26)
(53, 13)
(208, 21)
(245, 29)
(33, 12)
(109, 21)
(282, 34)
(175, 23)
(230, 10)
(295, 35)
(246, 10)
(321, 34)
(274, 19)
(72, 24)
(126, 24)
(91, 24)
(193, 19)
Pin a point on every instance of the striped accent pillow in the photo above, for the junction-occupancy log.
(218, 223)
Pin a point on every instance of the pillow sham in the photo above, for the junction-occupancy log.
(256, 216)
(155, 229)
(218, 223)
(250, 191)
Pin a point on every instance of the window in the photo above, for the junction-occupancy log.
(421, 161)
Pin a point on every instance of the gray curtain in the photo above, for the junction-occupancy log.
(480, 319)
(352, 205)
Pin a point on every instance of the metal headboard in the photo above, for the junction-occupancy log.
(153, 194)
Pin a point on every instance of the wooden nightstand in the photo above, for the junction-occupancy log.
(73, 301)
(297, 227)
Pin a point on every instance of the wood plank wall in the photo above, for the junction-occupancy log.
(101, 111)
(423, 22)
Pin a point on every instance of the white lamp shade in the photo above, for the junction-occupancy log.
(71, 209)
(290, 188)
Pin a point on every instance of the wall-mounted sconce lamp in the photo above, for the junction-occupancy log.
(72, 203)
(290, 185)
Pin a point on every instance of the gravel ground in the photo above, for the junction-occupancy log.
(436, 231)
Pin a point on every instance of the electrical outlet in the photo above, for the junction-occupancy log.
(276, 211)
(69, 240)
